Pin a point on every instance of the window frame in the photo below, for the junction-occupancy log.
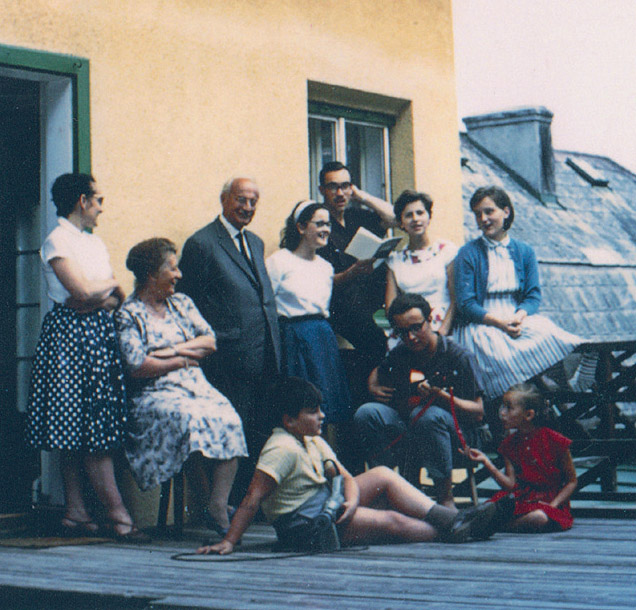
(340, 116)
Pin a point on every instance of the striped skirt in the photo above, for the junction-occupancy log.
(505, 361)
(76, 400)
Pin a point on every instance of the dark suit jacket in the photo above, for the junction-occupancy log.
(240, 309)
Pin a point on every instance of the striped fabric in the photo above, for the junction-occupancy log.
(505, 361)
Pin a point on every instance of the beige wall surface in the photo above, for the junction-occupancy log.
(185, 93)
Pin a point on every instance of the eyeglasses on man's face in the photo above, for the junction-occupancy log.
(333, 187)
(403, 333)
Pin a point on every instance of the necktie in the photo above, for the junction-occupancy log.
(243, 249)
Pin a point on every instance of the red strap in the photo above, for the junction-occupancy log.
(457, 428)
(419, 414)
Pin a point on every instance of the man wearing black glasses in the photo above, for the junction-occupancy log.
(427, 391)
(358, 290)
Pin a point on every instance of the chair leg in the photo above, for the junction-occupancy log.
(164, 499)
(178, 503)
(473, 484)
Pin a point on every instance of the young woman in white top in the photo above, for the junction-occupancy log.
(302, 283)
(425, 266)
(77, 401)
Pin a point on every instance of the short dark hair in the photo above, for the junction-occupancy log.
(331, 166)
(145, 258)
(499, 196)
(67, 190)
(291, 237)
(405, 301)
(290, 395)
(409, 196)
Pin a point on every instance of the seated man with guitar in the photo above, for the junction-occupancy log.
(427, 399)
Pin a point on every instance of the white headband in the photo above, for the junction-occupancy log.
(301, 207)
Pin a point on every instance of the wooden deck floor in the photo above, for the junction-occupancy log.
(592, 566)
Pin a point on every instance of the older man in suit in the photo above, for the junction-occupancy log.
(224, 273)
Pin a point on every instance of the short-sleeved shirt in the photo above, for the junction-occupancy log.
(296, 466)
(365, 290)
(300, 286)
(86, 250)
(451, 365)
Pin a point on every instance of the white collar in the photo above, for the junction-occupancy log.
(231, 229)
(69, 226)
(492, 244)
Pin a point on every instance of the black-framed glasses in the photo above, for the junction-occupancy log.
(335, 186)
(403, 333)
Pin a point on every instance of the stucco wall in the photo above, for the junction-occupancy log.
(185, 94)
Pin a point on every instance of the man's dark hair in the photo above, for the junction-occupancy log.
(409, 196)
(331, 166)
(67, 190)
(499, 196)
(405, 301)
(290, 395)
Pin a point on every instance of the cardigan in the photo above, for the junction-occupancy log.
(471, 279)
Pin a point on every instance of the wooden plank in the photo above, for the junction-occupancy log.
(591, 566)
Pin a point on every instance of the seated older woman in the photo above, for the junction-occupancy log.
(176, 416)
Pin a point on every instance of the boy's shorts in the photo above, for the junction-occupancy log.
(297, 530)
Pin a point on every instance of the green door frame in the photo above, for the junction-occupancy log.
(77, 69)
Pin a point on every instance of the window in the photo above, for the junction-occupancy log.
(359, 139)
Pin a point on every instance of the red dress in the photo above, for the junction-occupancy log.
(537, 460)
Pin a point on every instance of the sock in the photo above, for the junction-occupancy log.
(440, 517)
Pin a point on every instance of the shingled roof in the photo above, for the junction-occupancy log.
(580, 217)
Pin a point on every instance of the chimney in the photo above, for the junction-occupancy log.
(521, 139)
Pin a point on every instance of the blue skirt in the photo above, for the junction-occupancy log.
(76, 400)
(310, 351)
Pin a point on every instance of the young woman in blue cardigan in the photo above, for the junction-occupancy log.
(498, 296)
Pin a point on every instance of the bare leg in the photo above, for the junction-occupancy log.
(383, 487)
(402, 522)
(73, 496)
(197, 471)
(536, 521)
(222, 481)
(101, 474)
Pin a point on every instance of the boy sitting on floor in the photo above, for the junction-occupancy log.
(290, 485)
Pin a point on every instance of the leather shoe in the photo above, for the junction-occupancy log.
(472, 523)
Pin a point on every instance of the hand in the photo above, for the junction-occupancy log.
(356, 193)
(189, 362)
(381, 393)
(475, 455)
(361, 267)
(350, 508)
(511, 327)
(426, 390)
(225, 547)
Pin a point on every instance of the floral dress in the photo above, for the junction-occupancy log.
(179, 413)
(424, 272)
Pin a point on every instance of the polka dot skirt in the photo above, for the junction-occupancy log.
(76, 399)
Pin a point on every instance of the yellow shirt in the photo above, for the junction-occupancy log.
(296, 466)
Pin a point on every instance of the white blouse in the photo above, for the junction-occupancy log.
(301, 287)
(425, 272)
(86, 250)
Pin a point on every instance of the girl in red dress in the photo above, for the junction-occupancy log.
(539, 473)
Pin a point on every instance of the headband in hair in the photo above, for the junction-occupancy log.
(301, 207)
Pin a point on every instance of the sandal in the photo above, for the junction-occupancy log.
(133, 536)
(78, 529)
